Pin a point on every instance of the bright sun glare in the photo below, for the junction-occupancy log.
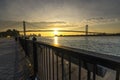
(55, 31)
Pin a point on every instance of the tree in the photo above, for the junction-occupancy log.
(9, 32)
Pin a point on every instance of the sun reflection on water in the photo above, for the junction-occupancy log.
(56, 40)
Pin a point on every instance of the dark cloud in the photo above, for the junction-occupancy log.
(63, 9)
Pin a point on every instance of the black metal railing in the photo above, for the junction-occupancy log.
(53, 62)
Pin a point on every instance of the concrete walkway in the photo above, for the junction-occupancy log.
(12, 61)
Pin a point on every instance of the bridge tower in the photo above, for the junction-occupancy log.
(86, 30)
(24, 28)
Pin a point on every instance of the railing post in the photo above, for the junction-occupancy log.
(26, 48)
(35, 60)
(118, 74)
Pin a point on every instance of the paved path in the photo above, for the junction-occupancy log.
(12, 61)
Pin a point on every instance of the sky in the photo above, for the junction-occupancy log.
(100, 15)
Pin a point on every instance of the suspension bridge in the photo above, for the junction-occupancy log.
(27, 27)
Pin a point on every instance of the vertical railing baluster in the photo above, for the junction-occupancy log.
(53, 63)
(88, 75)
(46, 64)
(118, 75)
(57, 66)
(41, 64)
(26, 48)
(79, 73)
(94, 71)
(88, 71)
(69, 68)
(49, 65)
(39, 61)
(62, 61)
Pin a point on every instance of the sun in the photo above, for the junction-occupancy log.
(55, 31)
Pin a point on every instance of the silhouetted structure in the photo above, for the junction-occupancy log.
(86, 29)
(24, 28)
(9, 32)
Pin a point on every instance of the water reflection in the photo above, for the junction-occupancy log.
(56, 40)
(86, 42)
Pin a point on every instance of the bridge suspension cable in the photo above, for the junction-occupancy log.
(11, 25)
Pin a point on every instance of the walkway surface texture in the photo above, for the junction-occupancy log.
(12, 61)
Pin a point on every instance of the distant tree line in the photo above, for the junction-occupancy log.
(98, 34)
(9, 32)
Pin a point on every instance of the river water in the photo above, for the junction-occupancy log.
(102, 44)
